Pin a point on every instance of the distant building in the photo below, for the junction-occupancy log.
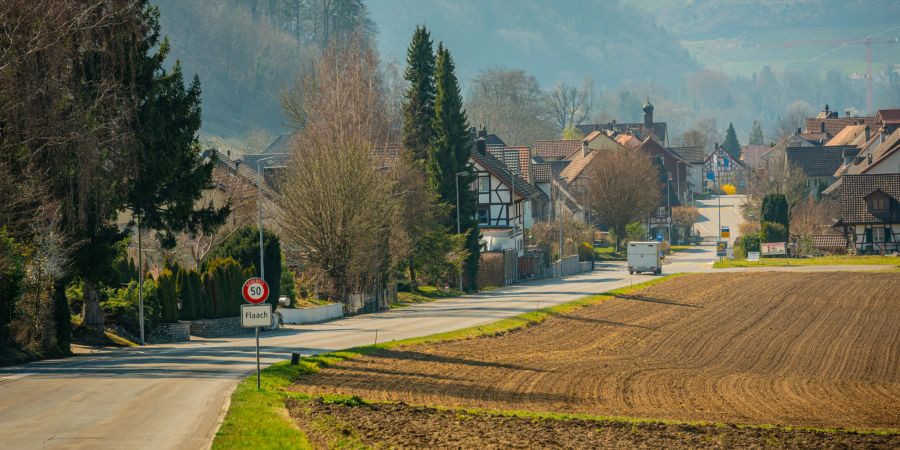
(870, 212)
(695, 156)
(723, 168)
(648, 128)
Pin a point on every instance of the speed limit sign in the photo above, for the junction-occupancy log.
(255, 290)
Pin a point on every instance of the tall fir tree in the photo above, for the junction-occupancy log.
(448, 155)
(731, 141)
(418, 103)
(169, 175)
(756, 134)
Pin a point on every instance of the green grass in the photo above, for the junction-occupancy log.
(817, 261)
(608, 254)
(259, 419)
(681, 248)
(424, 294)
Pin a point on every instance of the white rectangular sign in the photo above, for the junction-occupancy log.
(752, 256)
(773, 248)
(253, 316)
(729, 253)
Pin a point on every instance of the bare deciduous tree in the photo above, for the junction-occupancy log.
(624, 187)
(338, 207)
(794, 117)
(509, 103)
(569, 105)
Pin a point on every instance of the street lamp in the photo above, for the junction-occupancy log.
(458, 227)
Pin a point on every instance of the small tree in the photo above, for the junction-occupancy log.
(773, 232)
(775, 209)
(756, 134)
(731, 141)
(624, 187)
(167, 296)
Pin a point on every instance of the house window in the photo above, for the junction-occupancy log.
(661, 212)
(484, 184)
(879, 203)
(483, 216)
(878, 235)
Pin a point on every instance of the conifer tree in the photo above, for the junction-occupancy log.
(418, 103)
(756, 134)
(448, 155)
(731, 142)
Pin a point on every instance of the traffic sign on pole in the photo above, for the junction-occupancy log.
(255, 290)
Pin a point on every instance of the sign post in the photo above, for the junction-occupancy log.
(256, 314)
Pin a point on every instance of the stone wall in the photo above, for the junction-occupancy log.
(170, 332)
(212, 328)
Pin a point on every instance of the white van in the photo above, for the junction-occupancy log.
(644, 257)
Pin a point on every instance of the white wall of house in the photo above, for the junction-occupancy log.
(879, 237)
(502, 223)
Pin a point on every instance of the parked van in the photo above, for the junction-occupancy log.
(644, 257)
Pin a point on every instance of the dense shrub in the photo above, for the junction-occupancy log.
(222, 283)
(243, 246)
(287, 281)
(750, 243)
(121, 307)
(190, 292)
(12, 272)
(167, 296)
(773, 232)
(775, 209)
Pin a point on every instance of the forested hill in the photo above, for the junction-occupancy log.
(556, 41)
(247, 51)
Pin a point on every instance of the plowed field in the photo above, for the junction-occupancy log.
(804, 349)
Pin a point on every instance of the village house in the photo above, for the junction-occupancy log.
(818, 164)
(695, 156)
(723, 168)
(870, 212)
(674, 166)
(505, 197)
(648, 128)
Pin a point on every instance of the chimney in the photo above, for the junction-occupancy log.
(822, 125)
(848, 155)
(584, 148)
(868, 133)
(482, 133)
(481, 145)
(826, 110)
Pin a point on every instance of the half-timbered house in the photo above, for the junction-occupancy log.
(870, 212)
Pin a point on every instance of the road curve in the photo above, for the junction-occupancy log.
(173, 396)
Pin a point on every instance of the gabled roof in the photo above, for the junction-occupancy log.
(579, 161)
(650, 145)
(888, 116)
(850, 135)
(658, 130)
(753, 154)
(721, 149)
(817, 161)
(516, 158)
(887, 148)
(501, 171)
(556, 149)
(693, 155)
(854, 209)
(834, 126)
(628, 140)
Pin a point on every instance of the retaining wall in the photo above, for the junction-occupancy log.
(313, 314)
(212, 328)
(170, 332)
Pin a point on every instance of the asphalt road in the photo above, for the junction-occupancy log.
(174, 396)
(709, 216)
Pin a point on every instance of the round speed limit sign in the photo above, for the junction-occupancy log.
(255, 290)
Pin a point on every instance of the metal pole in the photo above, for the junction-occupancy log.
(458, 227)
(262, 267)
(257, 358)
(140, 279)
(669, 206)
(719, 200)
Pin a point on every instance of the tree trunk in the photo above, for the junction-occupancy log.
(62, 315)
(93, 315)
(412, 275)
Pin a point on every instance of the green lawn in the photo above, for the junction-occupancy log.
(608, 254)
(259, 419)
(817, 261)
(424, 294)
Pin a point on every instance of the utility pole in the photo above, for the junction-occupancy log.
(140, 278)
(458, 226)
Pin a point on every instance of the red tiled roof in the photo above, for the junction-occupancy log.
(556, 149)
(579, 161)
(508, 156)
(888, 116)
(592, 135)
(628, 141)
(834, 126)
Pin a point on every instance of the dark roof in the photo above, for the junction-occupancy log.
(278, 159)
(693, 155)
(281, 144)
(556, 149)
(855, 210)
(817, 161)
(516, 158)
(501, 171)
(889, 116)
(489, 139)
(829, 241)
(542, 172)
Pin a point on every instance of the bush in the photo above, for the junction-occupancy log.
(167, 296)
(190, 291)
(122, 307)
(12, 272)
(750, 243)
(775, 209)
(773, 232)
(243, 246)
(729, 189)
(222, 283)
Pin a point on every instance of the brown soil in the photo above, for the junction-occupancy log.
(803, 349)
(403, 426)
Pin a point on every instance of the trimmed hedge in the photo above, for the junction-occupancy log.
(243, 246)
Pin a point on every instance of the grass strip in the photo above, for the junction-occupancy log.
(816, 261)
(424, 294)
(259, 419)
